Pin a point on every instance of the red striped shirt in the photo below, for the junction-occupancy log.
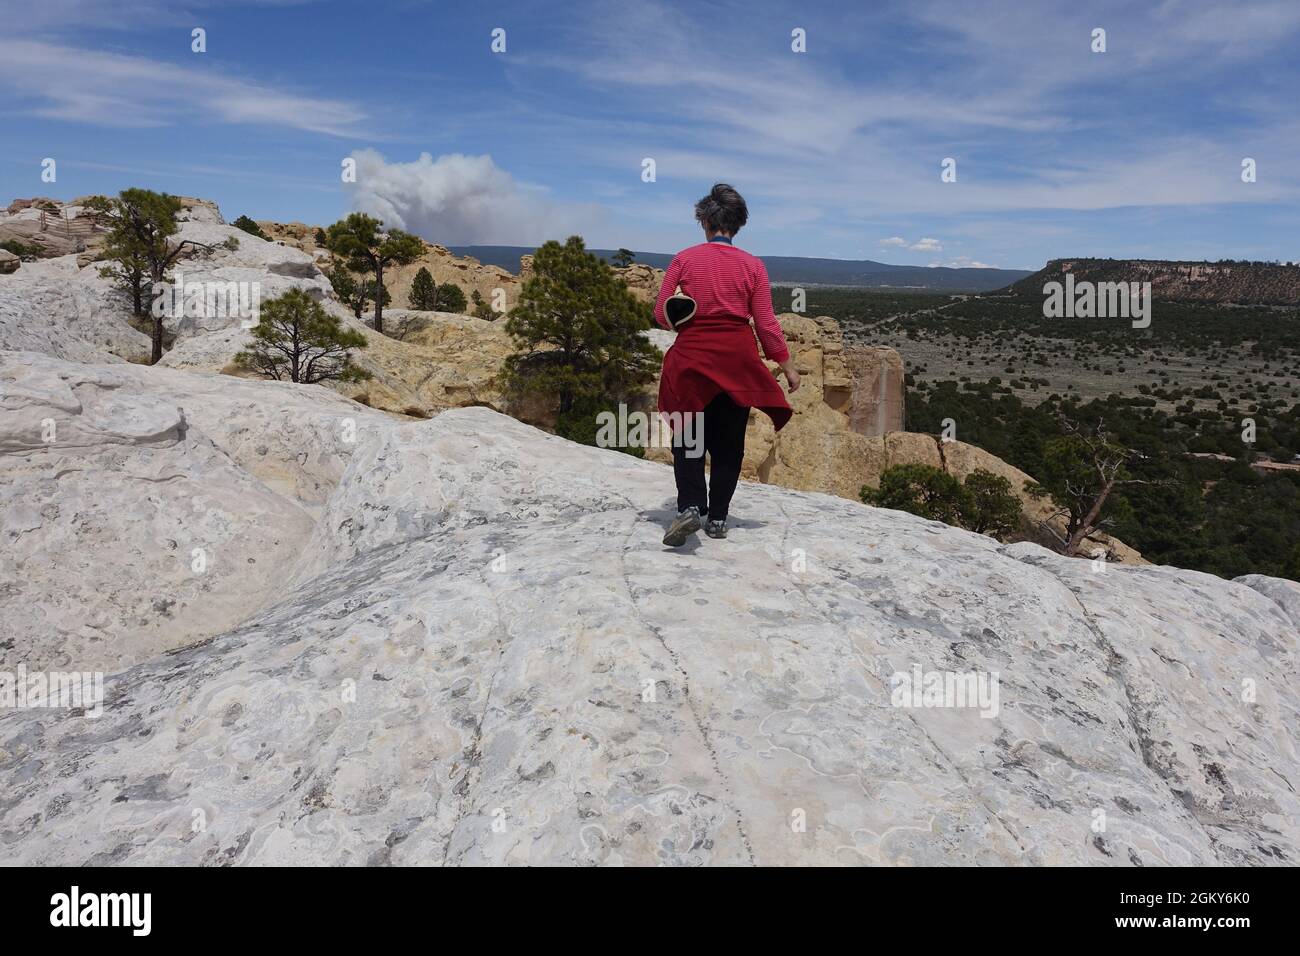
(725, 281)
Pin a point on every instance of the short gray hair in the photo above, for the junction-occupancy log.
(722, 210)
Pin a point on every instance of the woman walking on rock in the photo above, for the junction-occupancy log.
(713, 368)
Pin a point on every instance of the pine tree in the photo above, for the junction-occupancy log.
(984, 502)
(344, 284)
(128, 268)
(355, 293)
(296, 340)
(990, 506)
(1292, 567)
(578, 331)
(366, 290)
(451, 298)
(1079, 472)
(141, 226)
(920, 490)
(250, 227)
(481, 309)
(424, 294)
(368, 250)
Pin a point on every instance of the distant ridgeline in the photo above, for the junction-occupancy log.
(1225, 281)
(800, 270)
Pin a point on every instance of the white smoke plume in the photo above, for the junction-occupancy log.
(463, 200)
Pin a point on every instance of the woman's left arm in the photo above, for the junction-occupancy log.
(768, 328)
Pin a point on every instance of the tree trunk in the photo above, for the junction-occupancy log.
(297, 355)
(157, 351)
(1089, 521)
(379, 295)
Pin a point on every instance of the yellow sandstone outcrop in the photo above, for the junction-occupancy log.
(465, 271)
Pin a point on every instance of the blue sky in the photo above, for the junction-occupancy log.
(1134, 152)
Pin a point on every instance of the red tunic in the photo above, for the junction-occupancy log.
(716, 352)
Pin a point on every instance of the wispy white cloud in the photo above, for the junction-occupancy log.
(112, 89)
(24, 16)
(1025, 129)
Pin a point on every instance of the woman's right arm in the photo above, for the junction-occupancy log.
(671, 278)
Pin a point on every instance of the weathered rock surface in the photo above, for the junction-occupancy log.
(274, 268)
(113, 476)
(58, 308)
(479, 626)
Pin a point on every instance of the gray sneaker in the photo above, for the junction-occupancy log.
(686, 523)
(716, 528)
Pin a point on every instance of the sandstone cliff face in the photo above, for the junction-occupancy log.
(643, 280)
(55, 228)
(875, 406)
(461, 643)
(447, 361)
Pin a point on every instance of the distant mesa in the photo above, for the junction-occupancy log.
(1224, 282)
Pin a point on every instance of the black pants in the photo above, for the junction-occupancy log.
(724, 440)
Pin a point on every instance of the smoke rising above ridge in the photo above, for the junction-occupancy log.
(462, 200)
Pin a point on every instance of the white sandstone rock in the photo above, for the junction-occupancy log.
(268, 270)
(166, 502)
(470, 647)
(52, 306)
(58, 308)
